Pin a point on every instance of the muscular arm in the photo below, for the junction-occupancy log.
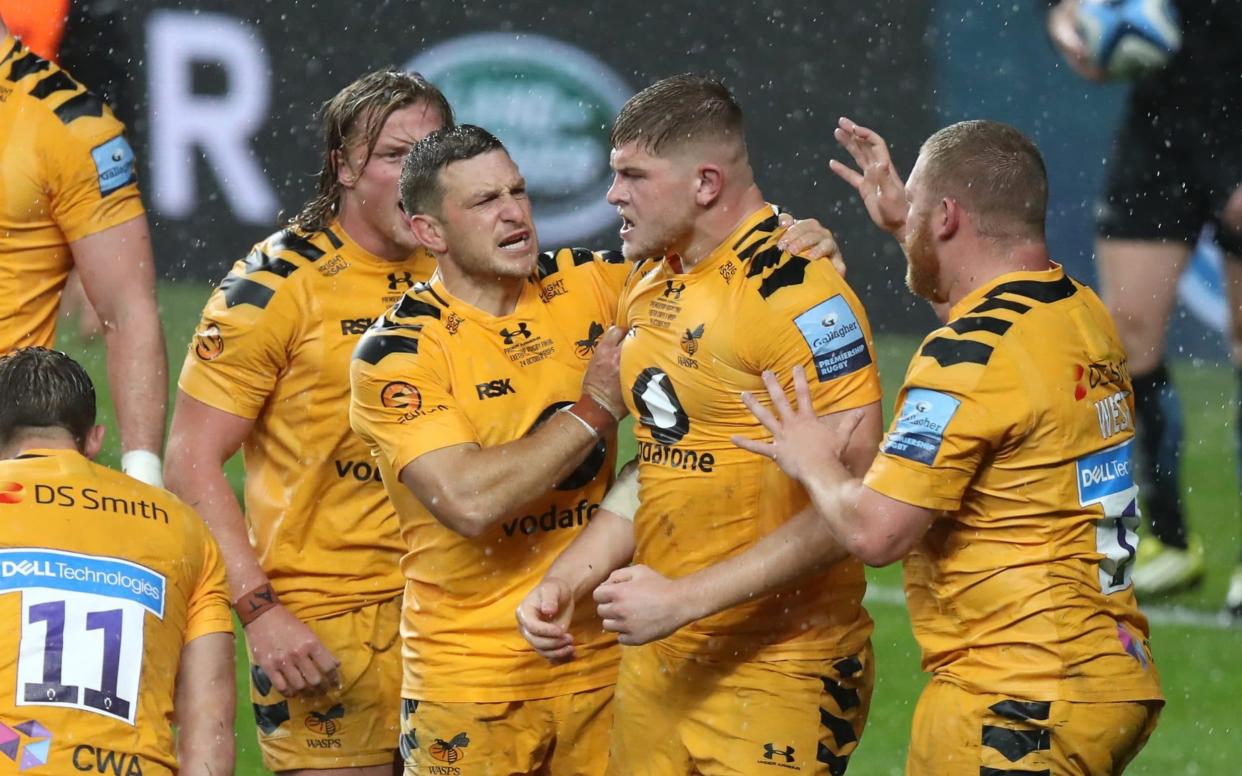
(469, 488)
(117, 270)
(202, 439)
(204, 706)
(642, 606)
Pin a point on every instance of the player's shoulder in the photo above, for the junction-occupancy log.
(419, 316)
(566, 266)
(64, 107)
(972, 347)
(778, 277)
(276, 265)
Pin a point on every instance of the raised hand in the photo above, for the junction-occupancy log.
(882, 190)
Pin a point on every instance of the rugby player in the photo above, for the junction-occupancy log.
(268, 372)
(113, 596)
(755, 673)
(70, 199)
(1006, 479)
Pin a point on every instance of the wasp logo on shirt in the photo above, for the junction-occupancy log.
(208, 344)
(399, 281)
(11, 492)
(522, 331)
(326, 723)
(690, 340)
(584, 348)
(401, 396)
(449, 751)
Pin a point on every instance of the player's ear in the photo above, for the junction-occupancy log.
(947, 219)
(94, 441)
(345, 174)
(708, 184)
(428, 231)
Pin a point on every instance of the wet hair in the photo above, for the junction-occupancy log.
(994, 171)
(42, 389)
(677, 110)
(357, 113)
(421, 191)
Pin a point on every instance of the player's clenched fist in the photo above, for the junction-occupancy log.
(602, 380)
(543, 620)
(640, 605)
(290, 654)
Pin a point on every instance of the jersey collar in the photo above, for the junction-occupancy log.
(968, 302)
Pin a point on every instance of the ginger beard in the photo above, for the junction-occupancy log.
(922, 265)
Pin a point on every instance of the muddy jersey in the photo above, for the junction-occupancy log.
(1016, 424)
(103, 581)
(696, 340)
(66, 172)
(437, 372)
(273, 346)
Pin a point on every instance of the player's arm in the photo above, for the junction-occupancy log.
(469, 488)
(204, 706)
(606, 544)
(202, 439)
(869, 525)
(641, 605)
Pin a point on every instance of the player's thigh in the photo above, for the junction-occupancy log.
(768, 716)
(474, 739)
(650, 704)
(1138, 283)
(583, 726)
(956, 731)
(354, 726)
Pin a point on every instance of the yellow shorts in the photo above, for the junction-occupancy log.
(675, 715)
(564, 736)
(958, 731)
(355, 726)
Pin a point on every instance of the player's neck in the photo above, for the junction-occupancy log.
(976, 268)
(719, 221)
(369, 238)
(45, 439)
(496, 296)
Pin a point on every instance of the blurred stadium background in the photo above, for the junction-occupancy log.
(220, 98)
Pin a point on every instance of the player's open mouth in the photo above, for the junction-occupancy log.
(517, 242)
(626, 225)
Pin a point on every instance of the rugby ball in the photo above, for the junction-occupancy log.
(1129, 38)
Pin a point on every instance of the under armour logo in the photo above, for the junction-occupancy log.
(770, 752)
(673, 291)
(398, 281)
(522, 332)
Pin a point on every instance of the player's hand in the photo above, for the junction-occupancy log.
(603, 375)
(1063, 31)
(291, 654)
(803, 444)
(810, 239)
(882, 190)
(543, 620)
(640, 605)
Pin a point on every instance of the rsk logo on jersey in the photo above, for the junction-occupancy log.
(551, 103)
(585, 348)
(26, 743)
(920, 426)
(208, 344)
(11, 492)
(351, 326)
(495, 388)
(401, 396)
(835, 338)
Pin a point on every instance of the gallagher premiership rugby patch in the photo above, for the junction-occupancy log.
(114, 163)
(835, 337)
(920, 425)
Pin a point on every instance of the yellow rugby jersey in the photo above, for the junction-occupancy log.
(103, 580)
(1016, 422)
(696, 341)
(66, 172)
(436, 372)
(274, 346)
